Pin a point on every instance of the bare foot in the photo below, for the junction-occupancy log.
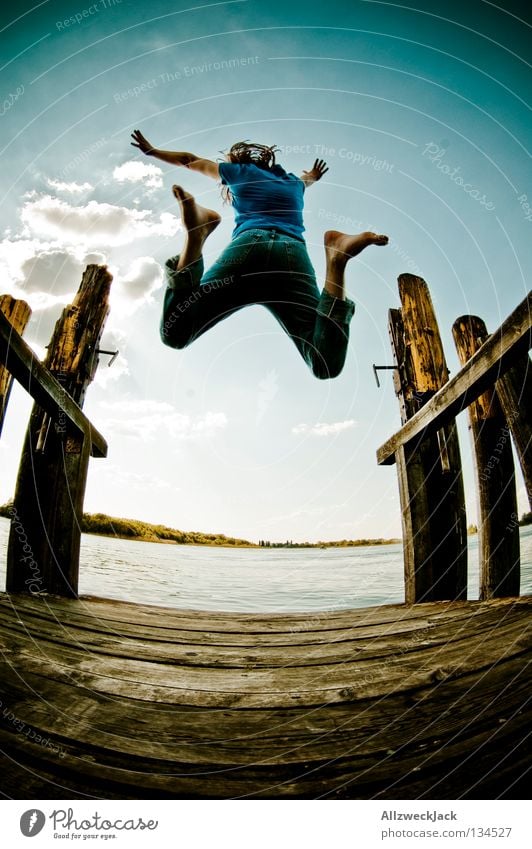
(341, 247)
(198, 220)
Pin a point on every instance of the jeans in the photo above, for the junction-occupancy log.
(261, 266)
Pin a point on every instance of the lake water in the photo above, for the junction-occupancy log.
(252, 579)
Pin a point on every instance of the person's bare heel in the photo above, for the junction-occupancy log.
(197, 220)
(341, 247)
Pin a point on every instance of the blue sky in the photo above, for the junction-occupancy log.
(421, 114)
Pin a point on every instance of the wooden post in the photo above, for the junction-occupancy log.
(514, 390)
(498, 519)
(43, 550)
(18, 314)
(430, 475)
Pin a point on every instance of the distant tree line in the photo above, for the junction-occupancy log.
(339, 543)
(100, 523)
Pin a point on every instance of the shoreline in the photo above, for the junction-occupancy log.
(352, 544)
(166, 541)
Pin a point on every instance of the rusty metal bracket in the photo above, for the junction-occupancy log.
(112, 354)
(382, 368)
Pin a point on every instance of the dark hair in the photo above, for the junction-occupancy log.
(250, 153)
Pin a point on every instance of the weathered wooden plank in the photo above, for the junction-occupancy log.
(339, 647)
(499, 353)
(48, 704)
(411, 779)
(430, 476)
(86, 629)
(286, 687)
(129, 731)
(377, 749)
(514, 390)
(17, 313)
(359, 638)
(422, 716)
(161, 622)
(498, 519)
(184, 722)
(116, 614)
(43, 387)
(44, 540)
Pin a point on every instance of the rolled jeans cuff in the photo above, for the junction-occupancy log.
(339, 309)
(185, 278)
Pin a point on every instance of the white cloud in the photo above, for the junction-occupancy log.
(47, 276)
(43, 260)
(46, 273)
(323, 429)
(93, 225)
(43, 272)
(70, 188)
(121, 478)
(139, 172)
(147, 420)
(52, 270)
(13, 254)
(143, 277)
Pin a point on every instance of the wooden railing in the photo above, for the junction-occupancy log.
(495, 385)
(45, 533)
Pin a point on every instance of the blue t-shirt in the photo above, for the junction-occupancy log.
(264, 198)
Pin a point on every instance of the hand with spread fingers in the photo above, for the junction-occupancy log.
(316, 172)
(142, 143)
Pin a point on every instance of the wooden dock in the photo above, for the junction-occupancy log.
(428, 701)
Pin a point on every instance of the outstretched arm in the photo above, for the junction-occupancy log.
(316, 173)
(186, 160)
